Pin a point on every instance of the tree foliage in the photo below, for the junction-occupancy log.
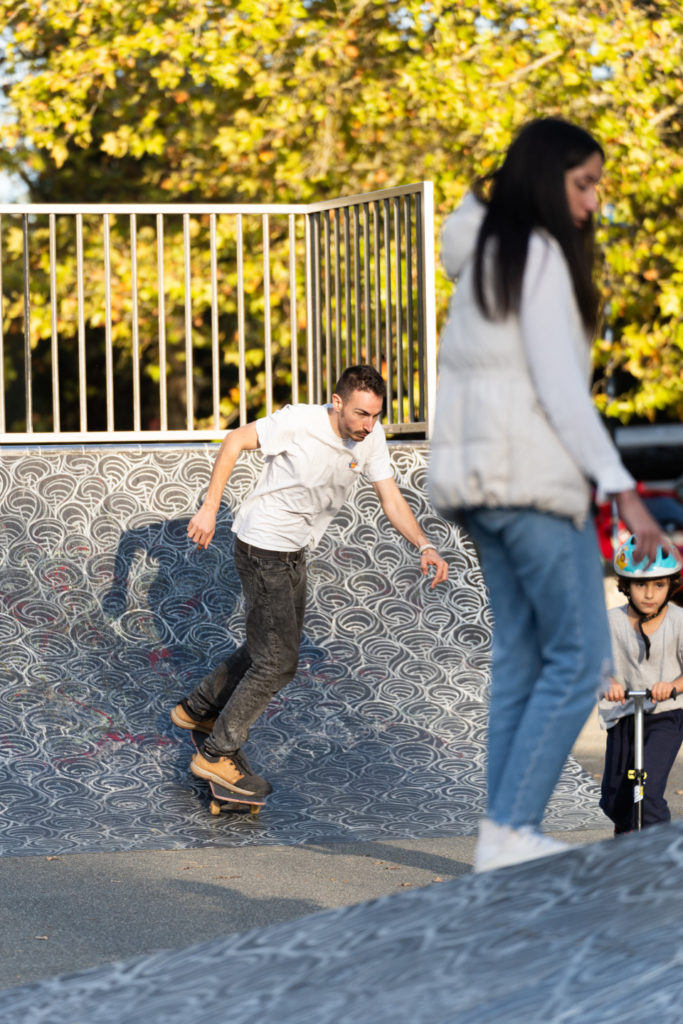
(280, 100)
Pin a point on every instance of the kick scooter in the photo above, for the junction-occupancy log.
(637, 774)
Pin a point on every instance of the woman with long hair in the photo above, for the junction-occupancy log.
(516, 448)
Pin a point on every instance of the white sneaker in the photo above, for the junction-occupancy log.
(499, 846)
(491, 839)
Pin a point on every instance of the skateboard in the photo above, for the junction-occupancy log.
(222, 797)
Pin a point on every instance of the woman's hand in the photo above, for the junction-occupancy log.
(647, 531)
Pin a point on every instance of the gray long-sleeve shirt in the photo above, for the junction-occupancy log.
(633, 670)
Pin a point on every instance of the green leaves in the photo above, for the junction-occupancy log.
(276, 100)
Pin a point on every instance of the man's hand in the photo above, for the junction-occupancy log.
(398, 512)
(432, 557)
(202, 527)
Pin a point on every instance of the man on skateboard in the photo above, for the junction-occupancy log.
(313, 456)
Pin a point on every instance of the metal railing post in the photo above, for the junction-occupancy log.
(28, 373)
(429, 300)
(2, 342)
(54, 314)
(310, 367)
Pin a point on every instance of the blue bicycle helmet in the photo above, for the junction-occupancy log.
(630, 571)
(626, 566)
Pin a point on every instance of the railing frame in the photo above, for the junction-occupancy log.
(327, 296)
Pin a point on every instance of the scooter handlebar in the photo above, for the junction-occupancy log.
(648, 693)
(645, 693)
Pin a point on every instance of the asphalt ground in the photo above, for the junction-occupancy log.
(66, 913)
(60, 914)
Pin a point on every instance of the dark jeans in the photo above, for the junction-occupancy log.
(240, 689)
(662, 736)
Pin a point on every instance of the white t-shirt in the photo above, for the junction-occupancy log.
(309, 472)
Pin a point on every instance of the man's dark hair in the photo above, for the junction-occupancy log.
(674, 581)
(360, 378)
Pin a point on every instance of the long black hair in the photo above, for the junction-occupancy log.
(528, 192)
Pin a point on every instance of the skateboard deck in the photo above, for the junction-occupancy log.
(222, 797)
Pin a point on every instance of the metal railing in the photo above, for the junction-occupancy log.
(156, 322)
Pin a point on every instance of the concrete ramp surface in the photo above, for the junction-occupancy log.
(108, 616)
(592, 936)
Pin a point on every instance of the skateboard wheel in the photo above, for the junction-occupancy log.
(215, 807)
(254, 809)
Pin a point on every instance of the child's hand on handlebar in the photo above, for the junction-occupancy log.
(662, 691)
(616, 692)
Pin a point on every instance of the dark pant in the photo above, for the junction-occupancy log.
(240, 689)
(662, 737)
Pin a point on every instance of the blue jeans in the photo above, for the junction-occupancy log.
(551, 649)
(240, 689)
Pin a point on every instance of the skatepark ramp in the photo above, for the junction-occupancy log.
(571, 939)
(109, 616)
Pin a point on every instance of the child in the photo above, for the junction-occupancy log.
(647, 645)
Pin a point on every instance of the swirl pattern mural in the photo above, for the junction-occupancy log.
(108, 616)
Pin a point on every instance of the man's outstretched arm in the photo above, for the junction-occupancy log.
(202, 526)
(398, 512)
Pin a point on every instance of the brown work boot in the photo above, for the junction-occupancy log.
(184, 719)
(230, 770)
